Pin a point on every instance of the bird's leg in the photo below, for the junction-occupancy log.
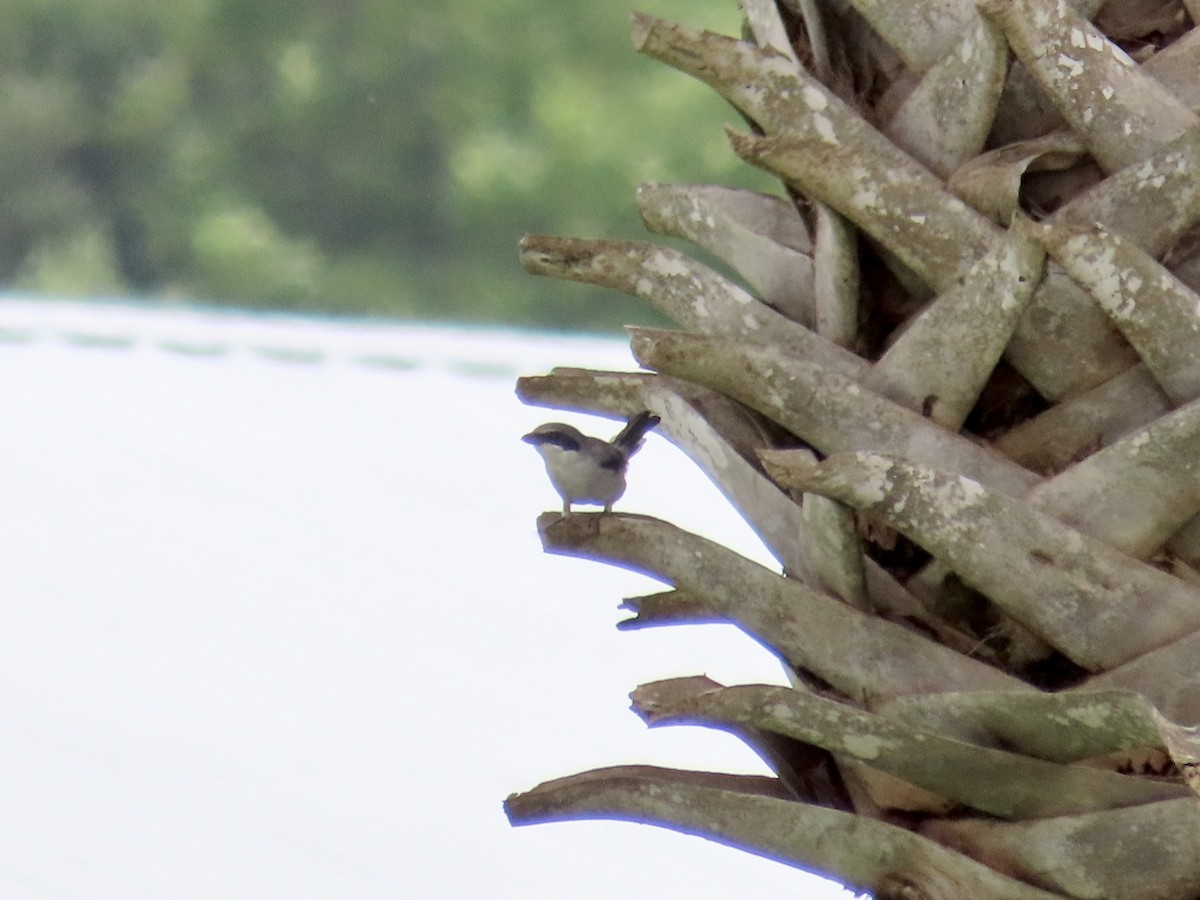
(566, 507)
(608, 506)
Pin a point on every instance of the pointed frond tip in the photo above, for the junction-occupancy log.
(991, 780)
(810, 629)
(758, 815)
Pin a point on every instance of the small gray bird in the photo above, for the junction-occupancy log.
(586, 469)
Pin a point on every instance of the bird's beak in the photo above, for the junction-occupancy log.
(530, 438)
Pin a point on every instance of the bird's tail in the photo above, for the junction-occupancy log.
(630, 437)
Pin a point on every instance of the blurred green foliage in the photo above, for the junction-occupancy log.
(354, 156)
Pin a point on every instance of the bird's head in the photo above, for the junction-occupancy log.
(555, 434)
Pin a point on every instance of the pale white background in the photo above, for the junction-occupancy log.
(276, 623)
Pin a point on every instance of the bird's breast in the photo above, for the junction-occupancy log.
(577, 476)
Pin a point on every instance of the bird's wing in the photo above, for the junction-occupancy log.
(607, 455)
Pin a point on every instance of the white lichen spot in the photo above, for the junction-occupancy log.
(1139, 440)
(780, 712)
(1104, 279)
(865, 198)
(781, 65)
(754, 96)
(700, 215)
(1095, 41)
(700, 308)
(1077, 245)
(739, 296)
(972, 491)
(751, 322)
(876, 482)
(1008, 262)
(953, 496)
(824, 127)
(919, 218)
(1094, 716)
(643, 286)
(864, 746)
(1073, 66)
(1107, 92)
(669, 265)
(1088, 115)
(1077, 38)
(815, 98)
(1127, 128)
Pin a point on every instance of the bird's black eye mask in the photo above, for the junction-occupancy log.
(559, 439)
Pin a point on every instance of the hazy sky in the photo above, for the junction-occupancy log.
(279, 626)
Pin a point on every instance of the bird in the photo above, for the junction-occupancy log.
(586, 469)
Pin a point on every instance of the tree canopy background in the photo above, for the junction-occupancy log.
(344, 156)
